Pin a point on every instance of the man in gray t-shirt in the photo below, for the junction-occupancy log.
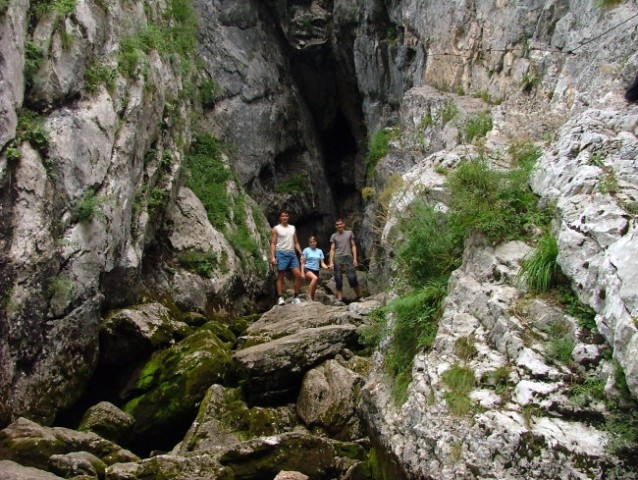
(343, 258)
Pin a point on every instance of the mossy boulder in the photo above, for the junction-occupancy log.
(224, 419)
(174, 381)
(33, 445)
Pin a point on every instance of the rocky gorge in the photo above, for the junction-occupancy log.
(146, 149)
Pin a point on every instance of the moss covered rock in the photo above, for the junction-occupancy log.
(174, 381)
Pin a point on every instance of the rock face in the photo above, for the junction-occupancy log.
(101, 234)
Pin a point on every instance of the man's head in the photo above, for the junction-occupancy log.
(284, 216)
(340, 225)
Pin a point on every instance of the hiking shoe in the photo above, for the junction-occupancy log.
(296, 300)
(281, 301)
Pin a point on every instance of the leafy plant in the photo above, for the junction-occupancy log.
(477, 126)
(372, 334)
(202, 263)
(31, 129)
(430, 249)
(294, 185)
(207, 177)
(209, 92)
(378, 148)
(85, 208)
(367, 193)
(415, 325)
(585, 315)
(449, 111)
(99, 74)
(499, 205)
(540, 271)
(607, 3)
(460, 380)
(465, 348)
(33, 59)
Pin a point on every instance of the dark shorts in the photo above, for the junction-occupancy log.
(286, 260)
(316, 272)
(344, 265)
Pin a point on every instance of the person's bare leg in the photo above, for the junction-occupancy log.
(313, 284)
(280, 283)
(297, 285)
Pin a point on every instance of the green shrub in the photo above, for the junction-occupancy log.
(524, 155)
(209, 91)
(585, 315)
(607, 3)
(415, 324)
(459, 379)
(371, 335)
(430, 250)
(458, 403)
(540, 271)
(465, 348)
(202, 263)
(449, 111)
(85, 209)
(499, 205)
(477, 126)
(207, 178)
(33, 59)
(98, 74)
(31, 129)
(378, 148)
(294, 185)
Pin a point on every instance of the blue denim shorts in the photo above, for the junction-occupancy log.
(286, 260)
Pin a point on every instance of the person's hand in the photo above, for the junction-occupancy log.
(331, 267)
(354, 262)
(273, 260)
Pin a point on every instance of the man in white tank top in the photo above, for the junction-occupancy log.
(283, 253)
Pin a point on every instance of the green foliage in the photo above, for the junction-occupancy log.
(449, 111)
(529, 81)
(98, 74)
(487, 98)
(4, 4)
(372, 334)
(207, 177)
(585, 315)
(131, 55)
(540, 271)
(478, 125)
(499, 205)
(415, 324)
(202, 263)
(61, 288)
(607, 3)
(33, 59)
(209, 92)
(367, 193)
(461, 381)
(591, 389)
(378, 148)
(31, 129)
(85, 209)
(561, 343)
(294, 185)
(13, 153)
(465, 348)
(183, 31)
(157, 201)
(430, 249)
(498, 379)
(524, 155)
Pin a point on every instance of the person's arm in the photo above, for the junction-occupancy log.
(273, 243)
(353, 247)
(297, 246)
(332, 255)
(303, 264)
(322, 263)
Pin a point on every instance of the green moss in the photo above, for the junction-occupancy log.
(174, 380)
